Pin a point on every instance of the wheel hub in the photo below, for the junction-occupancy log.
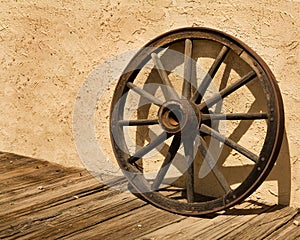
(179, 115)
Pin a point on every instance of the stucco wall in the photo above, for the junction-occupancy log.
(48, 48)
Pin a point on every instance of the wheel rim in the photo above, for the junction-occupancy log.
(191, 121)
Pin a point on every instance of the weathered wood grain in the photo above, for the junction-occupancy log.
(264, 224)
(203, 228)
(40, 200)
(289, 231)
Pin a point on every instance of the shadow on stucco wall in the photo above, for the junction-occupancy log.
(281, 173)
(280, 176)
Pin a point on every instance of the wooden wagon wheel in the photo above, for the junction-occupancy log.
(241, 119)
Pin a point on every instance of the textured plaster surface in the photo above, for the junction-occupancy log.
(48, 48)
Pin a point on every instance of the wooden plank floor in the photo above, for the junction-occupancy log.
(41, 200)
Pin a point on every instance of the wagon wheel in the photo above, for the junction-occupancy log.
(204, 141)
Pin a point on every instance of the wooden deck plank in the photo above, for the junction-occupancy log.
(86, 220)
(40, 200)
(10, 161)
(130, 224)
(224, 224)
(72, 216)
(18, 171)
(21, 172)
(52, 198)
(19, 187)
(86, 196)
(29, 180)
(264, 224)
(194, 228)
(290, 231)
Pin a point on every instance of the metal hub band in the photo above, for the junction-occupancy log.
(178, 115)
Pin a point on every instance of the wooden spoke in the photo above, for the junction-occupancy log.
(170, 91)
(167, 162)
(228, 90)
(215, 134)
(189, 153)
(146, 149)
(144, 94)
(198, 95)
(235, 116)
(187, 86)
(138, 122)
(210, 161)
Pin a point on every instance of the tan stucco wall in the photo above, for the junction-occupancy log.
(48, 48)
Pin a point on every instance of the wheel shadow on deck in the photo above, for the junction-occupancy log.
(41, 200)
